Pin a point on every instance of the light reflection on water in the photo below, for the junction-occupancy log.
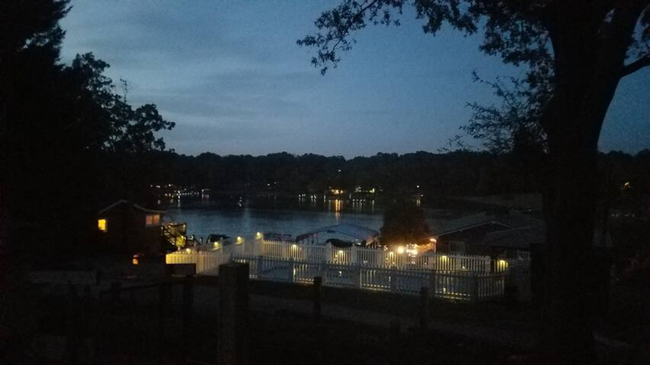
(270, 215)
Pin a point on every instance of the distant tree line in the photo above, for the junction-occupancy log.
(450, 174)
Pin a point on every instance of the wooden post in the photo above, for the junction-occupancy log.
(162, 312)
(323, 271)
(354, 255)
(168, 271)
(188, 313)
(116, 292)
(233, 314)
(433, 284)
(260, 267)
(537, 274)
(72, 325)
(318, 281)
(424, 308)
(290, 276)
(328, 252)
(357, 276)
(473, 288)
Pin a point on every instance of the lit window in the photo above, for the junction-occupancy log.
(101, 225)
(152, 219)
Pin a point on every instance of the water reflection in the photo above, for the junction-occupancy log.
(270, 214)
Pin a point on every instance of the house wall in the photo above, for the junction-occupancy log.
(472, 237)
(127, 232)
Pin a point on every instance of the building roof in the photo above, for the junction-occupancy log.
(523, 238)
(136, 206)
(518, 238)
(350, 230)
(510, 220)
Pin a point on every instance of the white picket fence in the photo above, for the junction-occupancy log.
(207, 262)
(452, 277)
(375, 257)
(466, 286)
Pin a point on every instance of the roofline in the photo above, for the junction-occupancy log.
(123, 201)
(470, 227)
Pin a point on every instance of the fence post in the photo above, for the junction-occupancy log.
(233, 314)
(162, 306)
(358, 282)
(354, 259)
(424, 308)
(318, 281)
(393, 279)
(290, 273)
(328, 252)
(433, 283)
(188, 312)
(323, 271)
(72, 325)
(473, 288)
(116, 292)
(260, 267)
(258, 246)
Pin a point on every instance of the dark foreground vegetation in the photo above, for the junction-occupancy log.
(69, 327)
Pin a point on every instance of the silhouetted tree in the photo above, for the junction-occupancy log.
(579, 49)
(404, 223)
(62, 129)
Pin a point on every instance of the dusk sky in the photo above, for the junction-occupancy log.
(231, 76)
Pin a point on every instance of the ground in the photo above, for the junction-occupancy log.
(354, 329)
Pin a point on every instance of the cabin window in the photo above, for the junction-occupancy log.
(102, 225)
(152, 220)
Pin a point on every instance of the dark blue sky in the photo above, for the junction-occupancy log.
(230, 75)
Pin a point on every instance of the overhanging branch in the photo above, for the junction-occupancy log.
(635, 66)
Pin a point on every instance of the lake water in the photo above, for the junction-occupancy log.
(290, 217)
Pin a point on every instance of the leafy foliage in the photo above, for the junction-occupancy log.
(61, 127)
(404, 223)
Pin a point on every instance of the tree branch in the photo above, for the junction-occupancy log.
(351, 21)
(635, 66)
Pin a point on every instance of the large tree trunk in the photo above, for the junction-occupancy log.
(570, 202)
(588, 66)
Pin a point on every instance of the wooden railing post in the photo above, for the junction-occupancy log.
(290, 273)
(188, 314)
(473, 288)
(433, 284)
(72, 327)
(162, 312)
(233, 314)
(328, 252)
(260, 267)
(116, 292)
(424, 308)
(358, 282)
(354, 255)
(393, 279)
(318, 282)
(323, 270)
